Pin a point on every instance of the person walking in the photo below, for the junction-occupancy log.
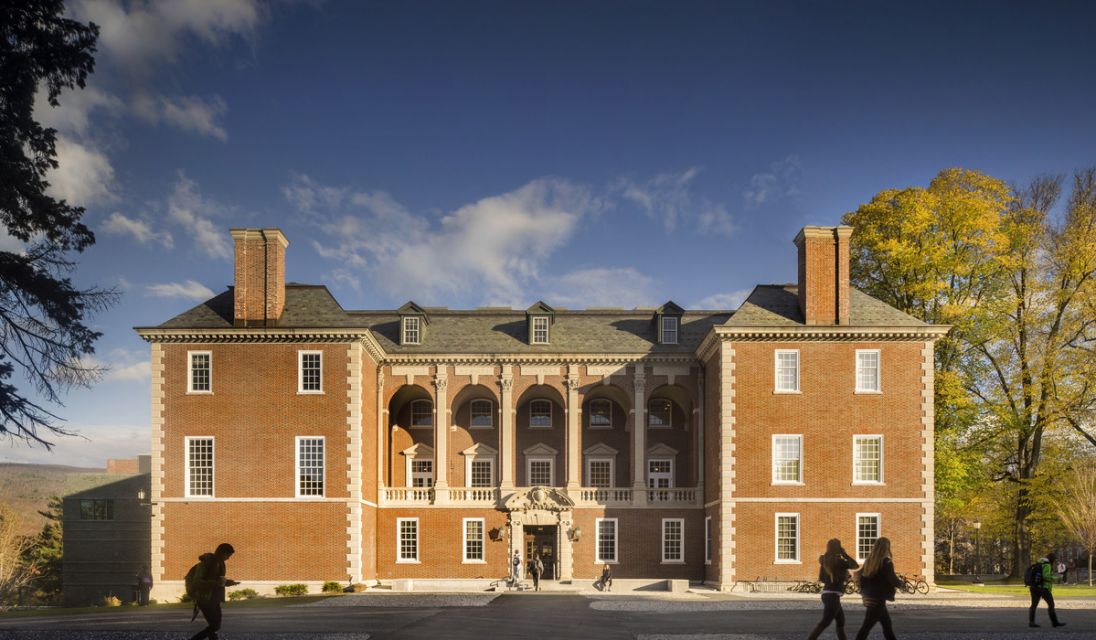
(1072, 569)
(833, 573)
(536, 567)
(878, 583)
(1064, 571)
(144, 586)
(1040, 581)
(515, 569)
(209, 589)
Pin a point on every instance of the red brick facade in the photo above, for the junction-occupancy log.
(718, 396)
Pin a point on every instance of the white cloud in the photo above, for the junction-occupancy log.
(142, 32)
(99, 442)
(73, 113)
(9, 243)
(188, 113)
(191, 290)
(494, 247)
(731, 300)
(140, 230)
(188, 208)
(601, 287)
(83, 176)
(779, 182)
(137, 371)
(668, 197)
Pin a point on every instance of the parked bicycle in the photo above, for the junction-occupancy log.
(917, 584)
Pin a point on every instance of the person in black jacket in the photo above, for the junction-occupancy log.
(833, 573)
(211, 585)
(877, 585)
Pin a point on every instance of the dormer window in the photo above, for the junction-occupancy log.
(669, 329)
(668, 323)
(413, 321)
(412, 330)
(540, 318)
(540, 329)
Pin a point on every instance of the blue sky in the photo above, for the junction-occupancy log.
(463, 154)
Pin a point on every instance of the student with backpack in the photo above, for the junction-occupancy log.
(878, 583)
(205, 584)
(833, 573)
(1039, 579)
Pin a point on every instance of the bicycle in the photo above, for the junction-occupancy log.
(917, 584)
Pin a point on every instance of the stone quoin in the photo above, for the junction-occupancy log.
(430, 444)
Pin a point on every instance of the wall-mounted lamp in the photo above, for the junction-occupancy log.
(574, 534)
(496, 534)
(141, 495)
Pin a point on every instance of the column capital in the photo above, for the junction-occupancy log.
(441, 382)
(507, 383)
(571, 382)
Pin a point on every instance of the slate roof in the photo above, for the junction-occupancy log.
(777, 305)
(500, 330)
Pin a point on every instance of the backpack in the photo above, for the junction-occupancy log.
(1033, 577)
(191, 581)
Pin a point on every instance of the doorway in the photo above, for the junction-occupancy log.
(543, 539)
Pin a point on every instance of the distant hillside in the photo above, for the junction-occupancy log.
(28, 487)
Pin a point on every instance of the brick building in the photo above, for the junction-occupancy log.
(431, 444)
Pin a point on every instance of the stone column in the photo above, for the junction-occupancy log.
(441, 437)
(574, 434)
(566, 550)
(506, 433)
(639, 437)
(382, 432)
(701, 424)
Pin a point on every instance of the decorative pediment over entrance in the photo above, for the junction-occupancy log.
(419, 450)
(661, 450)
(600, 449)
(480, 450)
(539, 499)
(540, 449)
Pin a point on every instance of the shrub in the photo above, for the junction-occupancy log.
(332, 587)
(185, 598)
(243, 594)
(111, 601)
(291, 589)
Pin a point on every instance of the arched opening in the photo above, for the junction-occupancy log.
(541, 437)
(606, 440)
(411, 438)
(474, 438)
(670, 439)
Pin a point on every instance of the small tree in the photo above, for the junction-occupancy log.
(14, 572)
(46, 552)
(1077, 506)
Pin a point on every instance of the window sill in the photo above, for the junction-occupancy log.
(707, 562)
(200, 498)
(778, 392)
(311, 498)
(540, 428)
(787, 562)
(861, 392)
(199, 393)
(606, 561)
(309, 393)
(789, 484)
(473, 562)
(673, 562)
(868, 484)
(408, 562)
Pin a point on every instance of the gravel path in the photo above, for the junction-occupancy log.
(407, 600)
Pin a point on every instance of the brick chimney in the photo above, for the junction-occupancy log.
(259, 295)
(824, 274)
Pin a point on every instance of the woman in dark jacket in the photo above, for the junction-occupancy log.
(833, 573)
(877, 585)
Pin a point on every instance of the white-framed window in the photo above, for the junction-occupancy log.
(787, 459)
(606, 550)
(673, 540)
(422, 414)
(199, 372)
(787, 538)
(482, 414)
(868, 371)
(199, 466)
(707, 540)
(540, 471)
(310, 466)
(660, 473)
(540, 414)
(600, 414)
(867, 459)
(787, 371)
(412, 330)
(310, 372)
(421, 472)
(407, 540)
(473, 540)
(481, 472)
(867, 532)
(599, 472)
(660, 413)
(669, 329)
(540, 329)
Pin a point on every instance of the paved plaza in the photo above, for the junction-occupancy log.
(559, 616)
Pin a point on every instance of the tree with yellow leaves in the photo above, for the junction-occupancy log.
(1077, 506)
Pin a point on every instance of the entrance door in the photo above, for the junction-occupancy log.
(542, 540)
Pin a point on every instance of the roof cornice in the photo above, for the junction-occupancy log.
(561, 358)
(801, 333)
(264, 335)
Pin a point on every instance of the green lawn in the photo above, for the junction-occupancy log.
(257, 602)
(1060, 590)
